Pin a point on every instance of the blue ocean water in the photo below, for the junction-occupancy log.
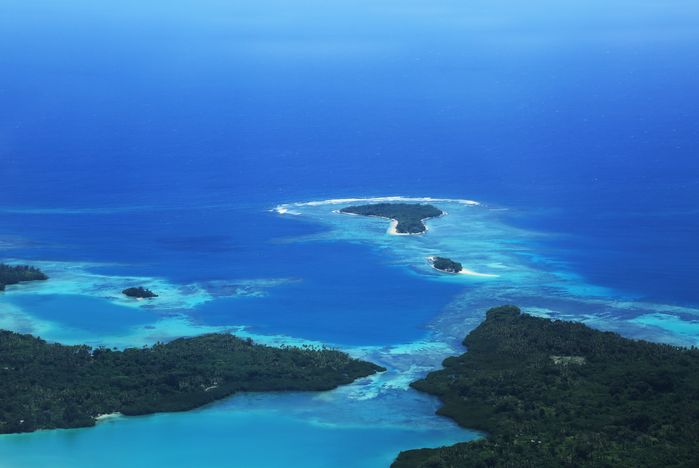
(148, 143)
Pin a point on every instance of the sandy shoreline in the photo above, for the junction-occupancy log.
(394, 232)
(394, 223)
(104, 417)
(464, 271)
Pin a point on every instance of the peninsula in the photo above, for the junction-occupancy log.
(47, 386)
(139, 293)
(552, 393)
(445, 264)
(408, 217)
(14, 274)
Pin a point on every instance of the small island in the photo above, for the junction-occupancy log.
(139, 293)
(552, 393)
(47, 386)
(408, 218)
(445, 264)
(14, 274)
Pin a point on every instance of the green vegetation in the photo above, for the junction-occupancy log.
(46, 386)
(446, 265)
(552, 394)
(139, 292)
(13, 274)
(409, 216)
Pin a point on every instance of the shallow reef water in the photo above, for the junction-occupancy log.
(481, 238)
(381, 413)
(190, 147)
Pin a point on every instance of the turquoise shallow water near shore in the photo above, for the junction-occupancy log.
(381, 409)
(177, 145)
(227, 434)
(502, 265)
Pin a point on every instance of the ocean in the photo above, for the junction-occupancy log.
(178, 145)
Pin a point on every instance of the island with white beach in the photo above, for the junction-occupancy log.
(15, 274)
(406, 218)
(139, 293)
(50, 385)
(445, 265)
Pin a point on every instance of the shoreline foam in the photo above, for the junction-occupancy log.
(104, 417)
(285, 208)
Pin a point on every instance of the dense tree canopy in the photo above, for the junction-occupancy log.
(446, 264)
(139, 292)
(45, 386)
(552, 393)
(13, 274)
(409, 216)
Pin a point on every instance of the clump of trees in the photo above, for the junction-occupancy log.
(447, 265)
(552, 393)
(46, 386)
(409, 216)
(13, 274)
(139, 292)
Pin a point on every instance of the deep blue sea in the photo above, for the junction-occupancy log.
(149, 142)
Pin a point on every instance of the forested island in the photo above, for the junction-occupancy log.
(139, 293)
(445, 264)
(409, 217)
(552, 393)
(46, 386)
(14, 274)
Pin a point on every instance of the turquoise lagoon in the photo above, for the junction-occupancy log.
(363, 424)
(150, 142)
(246, 431)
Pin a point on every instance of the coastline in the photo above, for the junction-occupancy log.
(457, 319)
(104, 417)
(464, 271)
(394, 232)
(286, 208)
(395, 198)
(394, 222)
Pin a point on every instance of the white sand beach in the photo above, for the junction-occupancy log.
(464, 271)
(104, 417)
(394, 232)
